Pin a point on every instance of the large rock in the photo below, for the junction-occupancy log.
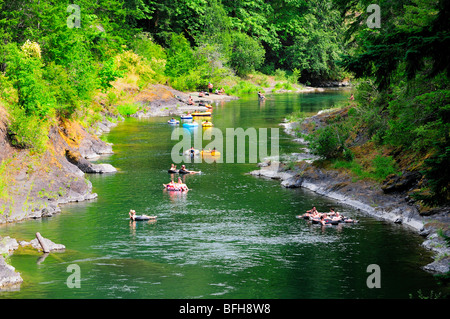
(8, 276)
(87, 167)
(7, 244)
(50, 245)
(395, 183)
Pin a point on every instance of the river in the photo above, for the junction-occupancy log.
(231, 236)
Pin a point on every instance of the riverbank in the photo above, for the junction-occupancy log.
(365, 195)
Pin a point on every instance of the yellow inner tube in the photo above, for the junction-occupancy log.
(211, 153)
(207, 124)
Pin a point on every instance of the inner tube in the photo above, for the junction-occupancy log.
(190, 124)
(186, 117)
(209, 124)
(173, 122)
(142, 217)
(173, 171)
(182, 171)
(191, 152)
(175, 189)
(201, 114)
(211, 153)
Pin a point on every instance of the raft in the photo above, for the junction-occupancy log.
(173, 188)
(173, 122)
(201, 114)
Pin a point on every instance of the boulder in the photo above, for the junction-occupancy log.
(8, 276)
(7, 244)
(87, 167)
(48, 243)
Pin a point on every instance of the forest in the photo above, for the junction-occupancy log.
(56, 56)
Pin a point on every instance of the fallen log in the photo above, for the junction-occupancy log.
(42, 242)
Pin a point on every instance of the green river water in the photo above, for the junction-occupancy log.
(231, 236)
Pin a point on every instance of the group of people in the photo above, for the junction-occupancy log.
(183, 170)
(332, 217)
(179, 186)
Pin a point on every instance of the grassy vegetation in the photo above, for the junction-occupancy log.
(377, 169)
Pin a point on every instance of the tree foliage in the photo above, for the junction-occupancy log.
(408, 59)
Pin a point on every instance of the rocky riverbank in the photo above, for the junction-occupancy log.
(36, 185)
(365, 195)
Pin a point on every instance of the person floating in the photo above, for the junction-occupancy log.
(190, 101)
(179, 186)
(173, 169)
(183, 170)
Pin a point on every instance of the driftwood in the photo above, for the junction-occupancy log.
(42, 242)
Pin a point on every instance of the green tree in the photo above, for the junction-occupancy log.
(247, 54)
